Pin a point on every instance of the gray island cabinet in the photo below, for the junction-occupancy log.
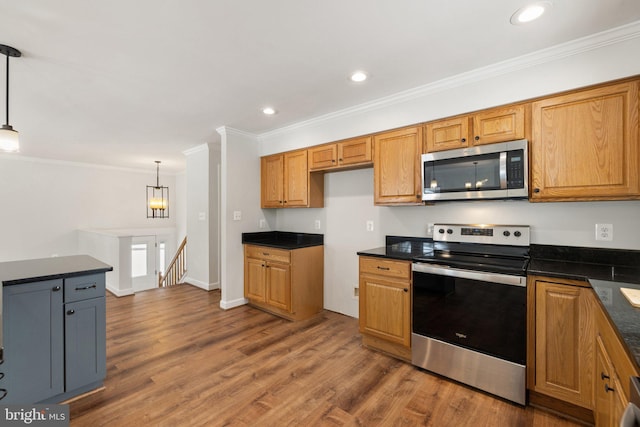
(53, 329)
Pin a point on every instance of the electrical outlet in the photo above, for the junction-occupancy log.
(604, 232)
(237, 215)
(369, 225)
(317, 224)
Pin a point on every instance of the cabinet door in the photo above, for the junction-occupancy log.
(255, 279)
(296, 179)
(279, 286)
(564, 342)
(498, 125)
(385, 309)
(447, 134)
(85, 342)
(271, 181)
(603, 399)
(354, 151)
(33, 341)
(585, 145)
(396, 167)
(323, 157)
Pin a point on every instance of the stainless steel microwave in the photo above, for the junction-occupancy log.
(493, 171)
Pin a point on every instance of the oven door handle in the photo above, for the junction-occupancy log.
(443, 270)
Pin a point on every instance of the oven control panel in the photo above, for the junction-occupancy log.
(515, 235)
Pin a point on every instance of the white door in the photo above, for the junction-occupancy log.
(144, 274)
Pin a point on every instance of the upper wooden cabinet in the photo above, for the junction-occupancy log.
(396, 167)
(585, 145)
(286, 183)
(485, 127)
(351, 153)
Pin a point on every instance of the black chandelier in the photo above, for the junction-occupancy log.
(9, 137)
(157, 198)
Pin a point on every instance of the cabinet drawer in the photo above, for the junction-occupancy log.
(84, 287)
(385, 267)
(268, 254)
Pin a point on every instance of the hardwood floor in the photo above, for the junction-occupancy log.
(174, 358)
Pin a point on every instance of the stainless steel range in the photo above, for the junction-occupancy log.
(469, 307)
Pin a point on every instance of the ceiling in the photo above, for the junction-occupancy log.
(125, 83)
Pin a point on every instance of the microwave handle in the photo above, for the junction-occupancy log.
(503, 170)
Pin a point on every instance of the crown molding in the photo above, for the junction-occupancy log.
(42, 160)
(196, 149)
(225, 130)
(554, 53)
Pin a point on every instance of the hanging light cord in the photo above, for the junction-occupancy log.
(7, 98)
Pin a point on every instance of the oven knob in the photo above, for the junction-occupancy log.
(506, 233)
(449, 231)
(517, 234)
(441, 231)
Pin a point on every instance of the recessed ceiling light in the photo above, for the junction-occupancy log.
(268, 111)
(359, 76)
(530, 12)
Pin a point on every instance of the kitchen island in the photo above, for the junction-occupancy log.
(53, 328)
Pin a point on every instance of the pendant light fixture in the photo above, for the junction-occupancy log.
(157, 198)
(8, 136)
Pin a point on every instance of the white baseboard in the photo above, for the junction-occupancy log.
(226, 305)
(200, 284)
(120, 293)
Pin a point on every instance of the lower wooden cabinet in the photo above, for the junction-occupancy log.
(562, 357)
(385, 305)
(613, 369)
(288, 283)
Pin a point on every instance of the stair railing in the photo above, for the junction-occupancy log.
(177, 267)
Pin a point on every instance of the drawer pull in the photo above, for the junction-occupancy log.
(607, 389)
(84, 288)
(1, 375)
(604, 376)
(265, 253)
(70, 312)
(55, 288)
(383, 268)
(3, 391)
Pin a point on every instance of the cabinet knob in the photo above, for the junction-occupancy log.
(418, 196)
(463, 140)
(477, 138)
(285, 201)
(607, 389)
(70, 312)
(333, 160)
(536, 190)
(406, 289)
(55, 288)
(340, 160)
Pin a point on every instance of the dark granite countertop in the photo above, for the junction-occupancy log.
(32, 270)
(624, 316)
(401, 248)
(283, 239)
(607, 270)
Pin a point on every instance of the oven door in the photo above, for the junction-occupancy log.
(480, 311)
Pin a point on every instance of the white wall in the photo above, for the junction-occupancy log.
(240, 192)
(201, 207)
(349, 195)
(44, 203)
